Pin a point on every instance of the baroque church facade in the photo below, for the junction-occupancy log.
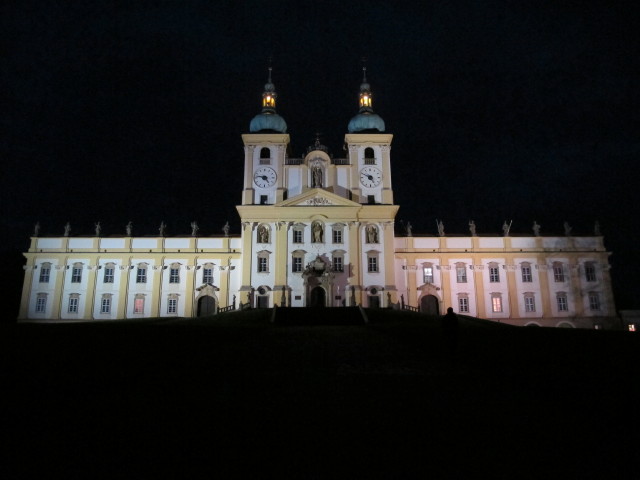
(319, 231)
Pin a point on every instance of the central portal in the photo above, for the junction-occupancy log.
(317, 297)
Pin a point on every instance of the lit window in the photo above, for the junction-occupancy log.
(138, 304)
(109, 270)
(337, 235)
(563, 305)
(526, 273)
(590, 272)
(105, 306)
(529, 303)
(297, 235)
(558, 272)
(174, 275)
(73, 303)
(463, 305)
(494, 274)
(141, 274)
(41, 303)
(496, 303)
(207, 274)
(372, 263)
(76, 273)
(427, 274)
(594, 301)
(632, 327)
(45, 272)
(461, 274)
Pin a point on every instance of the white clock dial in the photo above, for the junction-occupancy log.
(370, 177)
(265, 177)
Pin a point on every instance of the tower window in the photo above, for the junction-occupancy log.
(264, 199)
(371, 199)
(369, 156)
(372, 263)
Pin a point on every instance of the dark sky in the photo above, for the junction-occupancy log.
(118, 111)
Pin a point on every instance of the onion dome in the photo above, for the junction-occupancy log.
(268, 120)
(366, 120)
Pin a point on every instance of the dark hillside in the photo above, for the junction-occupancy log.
(236, 395)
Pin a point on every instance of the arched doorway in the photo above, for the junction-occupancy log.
(317, 297)
(206, 305)
(429, 304)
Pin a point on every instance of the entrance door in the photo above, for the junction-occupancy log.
(206, 306)
(374, 301)
(263, 301)
(429, 305)
(317, 297)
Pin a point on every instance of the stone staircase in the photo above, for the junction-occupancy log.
(319, 316)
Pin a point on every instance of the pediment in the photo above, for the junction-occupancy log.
(317, 197)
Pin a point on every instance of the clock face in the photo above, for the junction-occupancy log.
(265, 177)
(370, 177)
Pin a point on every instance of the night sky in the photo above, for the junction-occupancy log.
(523, 111)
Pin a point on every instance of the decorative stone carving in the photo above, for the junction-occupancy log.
(372, 234)
(194, 228)
(129, 228)
(317, 232)
(472, 228)
(67, 229)
(263, 234)
(36, 229)
(226, 229)
(536, 229)
(163, 227)
(567, 229)
(318, 201)
(506, 227)
(440, 228)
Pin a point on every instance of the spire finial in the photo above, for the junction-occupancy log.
(364, 69)
(270, 67)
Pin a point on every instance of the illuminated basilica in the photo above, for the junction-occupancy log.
(319, 231)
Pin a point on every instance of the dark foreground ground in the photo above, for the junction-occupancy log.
(239, 397)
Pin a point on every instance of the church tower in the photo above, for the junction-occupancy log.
(265, 150)
(317, 230)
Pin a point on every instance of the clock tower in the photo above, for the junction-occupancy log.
(369, 149)
(264, 153)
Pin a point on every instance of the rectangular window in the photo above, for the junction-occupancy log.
(297, 236)
(73, 305)
(296, 266)
(106, 305)
(461, 274)
(526, 274)
(45, 272)
(563, 306)
(373, 264)
(172, 305)
(138, 305)
(262, 264)
(558, 273)
(427, 274)
(594, 301)
(337, 236)
(76, 275)
(590, 272)
(263, 199)
(496, 304)
(174, 275)
(494, 275)
(141, 276)
(41, 304)
(207, 275)
(529, 304)
(463, 305)
(108, 274)
(338, 266)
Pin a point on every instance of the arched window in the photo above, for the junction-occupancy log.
(265, 156)
(369, 156)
